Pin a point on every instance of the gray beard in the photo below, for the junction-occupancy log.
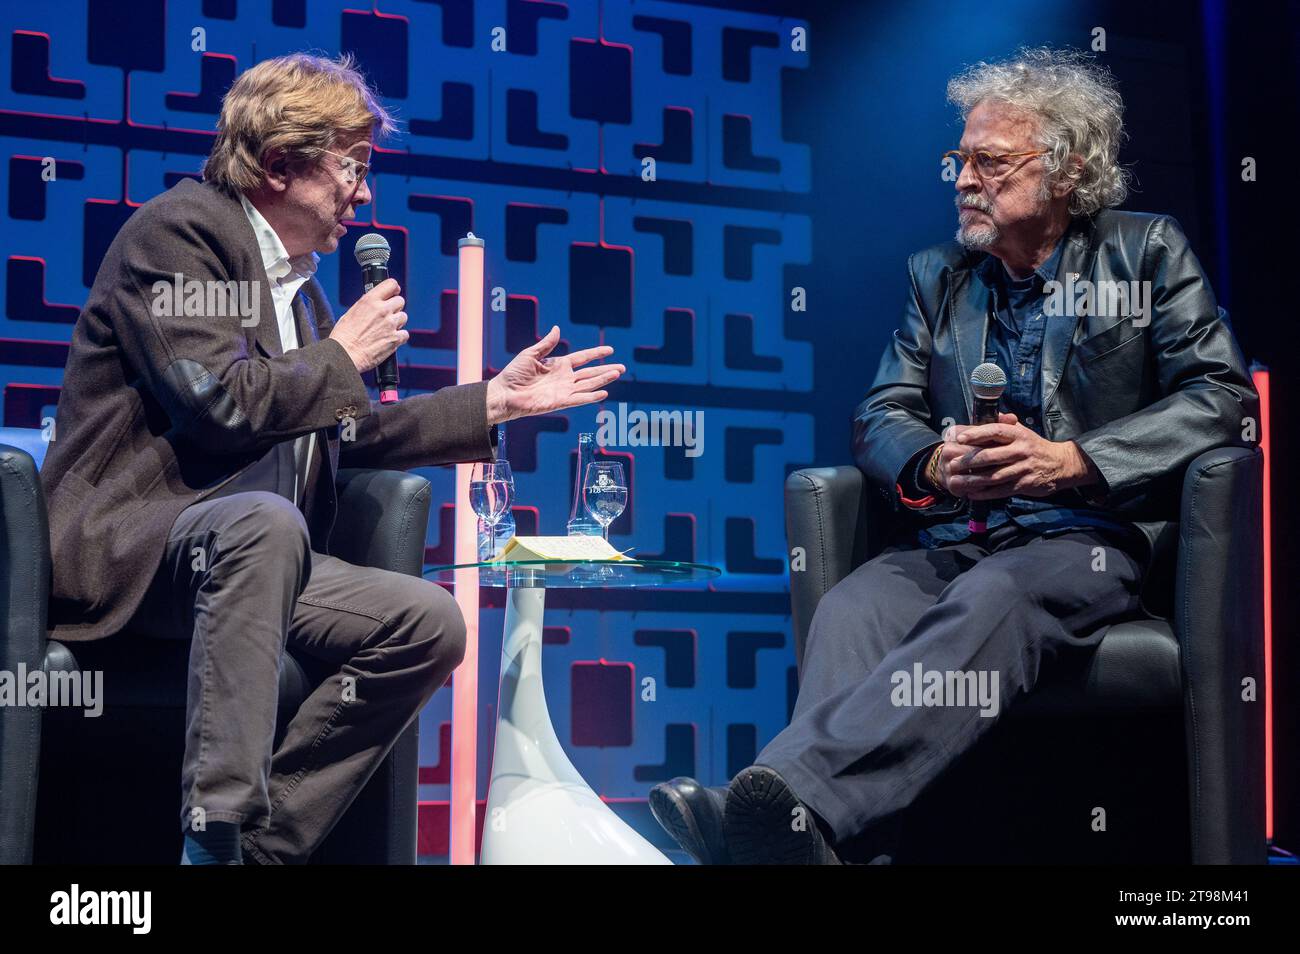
(977, 239)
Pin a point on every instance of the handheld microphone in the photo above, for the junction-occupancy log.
(987, 382)
(372, 251)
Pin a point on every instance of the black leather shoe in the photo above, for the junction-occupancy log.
(764, 823)
(692, 814)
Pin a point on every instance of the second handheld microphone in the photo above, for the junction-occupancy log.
(987, 382)
(373, 251)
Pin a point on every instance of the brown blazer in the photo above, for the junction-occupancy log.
(161, 410)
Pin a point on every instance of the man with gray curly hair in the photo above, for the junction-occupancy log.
(1120, 370)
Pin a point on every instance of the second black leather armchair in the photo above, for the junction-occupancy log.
(1191, 672)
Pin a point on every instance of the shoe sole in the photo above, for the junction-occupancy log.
(676, 817)
(759, 818)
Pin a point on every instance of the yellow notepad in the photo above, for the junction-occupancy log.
(576, 547)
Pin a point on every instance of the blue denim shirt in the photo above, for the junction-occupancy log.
(1015, 339)
(1015, 344)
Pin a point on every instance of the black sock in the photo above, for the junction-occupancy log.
(828, 833)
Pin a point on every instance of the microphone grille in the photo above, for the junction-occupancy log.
(372, 249)
(988, 381)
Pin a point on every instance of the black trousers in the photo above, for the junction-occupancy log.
(899, 651)
(239, 576)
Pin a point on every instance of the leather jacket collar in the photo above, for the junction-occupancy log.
(969, 313)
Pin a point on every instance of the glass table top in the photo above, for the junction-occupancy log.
(579, 573)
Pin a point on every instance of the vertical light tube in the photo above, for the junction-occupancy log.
(1260, 376)
(464, 705)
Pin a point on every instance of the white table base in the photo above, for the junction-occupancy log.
(539, 809)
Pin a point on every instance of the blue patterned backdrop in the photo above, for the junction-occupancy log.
(539, 149)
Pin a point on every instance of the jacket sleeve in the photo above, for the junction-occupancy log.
(891, 427)
(448, 426)
(218, 391)
(1207, 389)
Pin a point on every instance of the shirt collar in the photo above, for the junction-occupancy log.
(994, 274)
(275, 257)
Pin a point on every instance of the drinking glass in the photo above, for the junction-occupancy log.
(604, 492)
(491, 489)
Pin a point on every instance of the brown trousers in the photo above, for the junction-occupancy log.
(240, 576)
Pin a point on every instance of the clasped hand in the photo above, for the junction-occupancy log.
(1007, 459)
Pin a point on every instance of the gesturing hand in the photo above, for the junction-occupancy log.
(992, 461)
(533, 383)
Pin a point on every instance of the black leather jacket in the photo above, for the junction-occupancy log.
(1141, 401)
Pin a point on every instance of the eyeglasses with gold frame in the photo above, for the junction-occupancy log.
(986, 163)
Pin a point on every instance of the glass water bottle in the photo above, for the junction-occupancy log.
(580, 521)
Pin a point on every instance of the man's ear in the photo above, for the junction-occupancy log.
(275, 166)
(1064, 184)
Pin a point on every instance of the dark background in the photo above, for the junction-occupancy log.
(1204, 84)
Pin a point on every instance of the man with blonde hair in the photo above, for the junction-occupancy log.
(191, 484)
(913, 656)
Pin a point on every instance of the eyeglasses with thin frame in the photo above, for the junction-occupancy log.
(986, 163)
(353, 168)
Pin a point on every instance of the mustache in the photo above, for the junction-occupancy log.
(973, 200)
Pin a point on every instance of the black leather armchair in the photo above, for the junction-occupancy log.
(1172, 691)
(109, 787)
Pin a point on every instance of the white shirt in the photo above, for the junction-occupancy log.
(287, 275)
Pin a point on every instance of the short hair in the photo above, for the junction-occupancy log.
(1079, 111)
(300, 103)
